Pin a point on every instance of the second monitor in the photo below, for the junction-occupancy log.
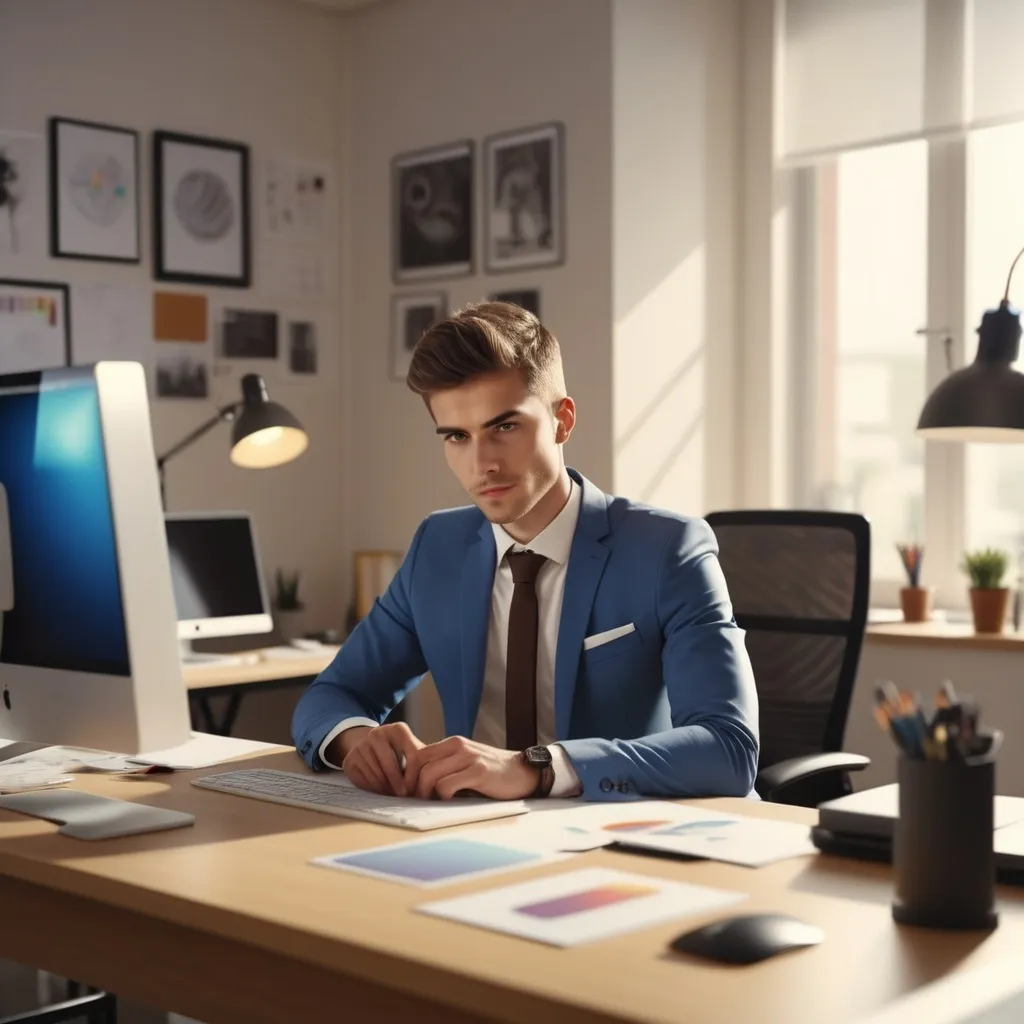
(218, 581)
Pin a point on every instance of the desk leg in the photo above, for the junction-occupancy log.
(209, 723)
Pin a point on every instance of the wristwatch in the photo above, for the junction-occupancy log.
(540, 758)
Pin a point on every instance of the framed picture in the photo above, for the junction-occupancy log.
(432, 213)
(528, 298)
(524, 176)
(94, 191)
(201, 231)
(35, 326)
(411, 315)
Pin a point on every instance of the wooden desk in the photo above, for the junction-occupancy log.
(227, 921)
(205, 682)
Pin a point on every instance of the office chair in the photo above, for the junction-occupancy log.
(94, 1008)
(799, 585)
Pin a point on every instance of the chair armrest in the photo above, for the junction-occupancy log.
(777, 776)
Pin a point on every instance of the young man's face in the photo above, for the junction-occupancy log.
(504, 445)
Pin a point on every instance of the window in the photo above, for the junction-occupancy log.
(867, 301)
(994, 473)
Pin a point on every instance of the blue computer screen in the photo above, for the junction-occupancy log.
(67, 610)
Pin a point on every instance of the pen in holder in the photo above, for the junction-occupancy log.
(943, 858)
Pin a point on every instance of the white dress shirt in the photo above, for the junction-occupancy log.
(554, 543)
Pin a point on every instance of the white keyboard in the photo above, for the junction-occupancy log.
(335, 794)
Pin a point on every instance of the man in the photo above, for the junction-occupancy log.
(580, 644)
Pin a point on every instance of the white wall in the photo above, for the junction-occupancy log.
(425, 72)
(674, 146)
(265, 72)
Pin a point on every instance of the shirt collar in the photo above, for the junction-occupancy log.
(555, 540)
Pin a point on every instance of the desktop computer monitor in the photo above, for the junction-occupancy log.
(217, 579)
(88, 653)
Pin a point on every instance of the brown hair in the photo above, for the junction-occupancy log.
(488, 337)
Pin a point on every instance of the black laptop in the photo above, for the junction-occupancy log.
(861, 825)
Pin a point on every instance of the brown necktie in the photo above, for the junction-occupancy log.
(521, 661)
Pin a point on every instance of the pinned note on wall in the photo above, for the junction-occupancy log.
(180, 316)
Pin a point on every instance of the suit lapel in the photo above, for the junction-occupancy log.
(477, 584)
(587, 559)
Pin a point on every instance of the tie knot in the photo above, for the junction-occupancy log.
(525, 565)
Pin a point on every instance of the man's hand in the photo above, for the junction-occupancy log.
(443, 769)
(373, 758)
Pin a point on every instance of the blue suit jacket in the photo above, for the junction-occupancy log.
(669, 709)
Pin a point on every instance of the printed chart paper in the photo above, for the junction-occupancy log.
(443, 860)
(581, 906)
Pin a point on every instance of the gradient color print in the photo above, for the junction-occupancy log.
(689, 828)
(632, 826)
(437, 861)
(589, 899)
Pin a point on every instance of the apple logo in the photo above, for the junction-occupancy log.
(7, 698)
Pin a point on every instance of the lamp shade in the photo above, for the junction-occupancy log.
(264, 433)
(984, 401)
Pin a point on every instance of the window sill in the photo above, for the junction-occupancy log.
(939, 633)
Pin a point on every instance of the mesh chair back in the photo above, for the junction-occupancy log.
(799, 587)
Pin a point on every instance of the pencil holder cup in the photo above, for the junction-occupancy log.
(943, 857)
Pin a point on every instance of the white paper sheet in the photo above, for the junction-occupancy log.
(201, 751)
(581, 906)
(111, 321)
(752, 842)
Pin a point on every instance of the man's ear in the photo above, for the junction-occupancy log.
(565, 419)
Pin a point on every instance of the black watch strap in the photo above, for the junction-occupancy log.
(545, 782)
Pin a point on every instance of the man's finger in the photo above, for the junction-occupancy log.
(386, 758)
(422, 756)
(437, 770)
(371, 776)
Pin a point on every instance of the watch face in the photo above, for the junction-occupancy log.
(537, 757)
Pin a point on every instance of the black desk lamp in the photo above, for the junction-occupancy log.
(263, 434)
(983, 401)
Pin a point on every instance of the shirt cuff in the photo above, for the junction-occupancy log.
(348, 723)
(567, 782)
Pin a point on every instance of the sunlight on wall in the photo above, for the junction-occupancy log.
(659, 393)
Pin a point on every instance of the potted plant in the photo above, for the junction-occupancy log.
(915, 600)
(286, 602)
(985, 569)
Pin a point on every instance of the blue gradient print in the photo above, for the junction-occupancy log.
(437, 861)
(67, 610)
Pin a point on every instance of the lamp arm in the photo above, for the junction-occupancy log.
(227, 413)
(1009, 276)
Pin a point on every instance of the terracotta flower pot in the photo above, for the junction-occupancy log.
(988, 607)
(916, 603)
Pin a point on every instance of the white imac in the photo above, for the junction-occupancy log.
(217, 579)
(88, 652)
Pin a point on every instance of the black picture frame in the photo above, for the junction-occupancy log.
(204, 206)
(63, 292)
(406, 329)
(72, 208)
(419, 177)
(528, 298)
(550, 189)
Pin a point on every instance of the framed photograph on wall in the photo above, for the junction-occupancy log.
(94, 191)
(528, 298)
(201, 230)
(35, 325)
(432, 213)
(411, 315)
(524, 217)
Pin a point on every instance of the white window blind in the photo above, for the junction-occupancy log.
(851, 71)
(858, 73)
(998, 69)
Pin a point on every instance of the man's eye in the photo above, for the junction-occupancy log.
(509, 426)
(457, 437)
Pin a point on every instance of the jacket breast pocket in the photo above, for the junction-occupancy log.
(614, 648)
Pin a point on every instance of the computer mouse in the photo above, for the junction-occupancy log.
(747, 938)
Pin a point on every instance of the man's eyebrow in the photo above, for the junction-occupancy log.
(500, 418)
